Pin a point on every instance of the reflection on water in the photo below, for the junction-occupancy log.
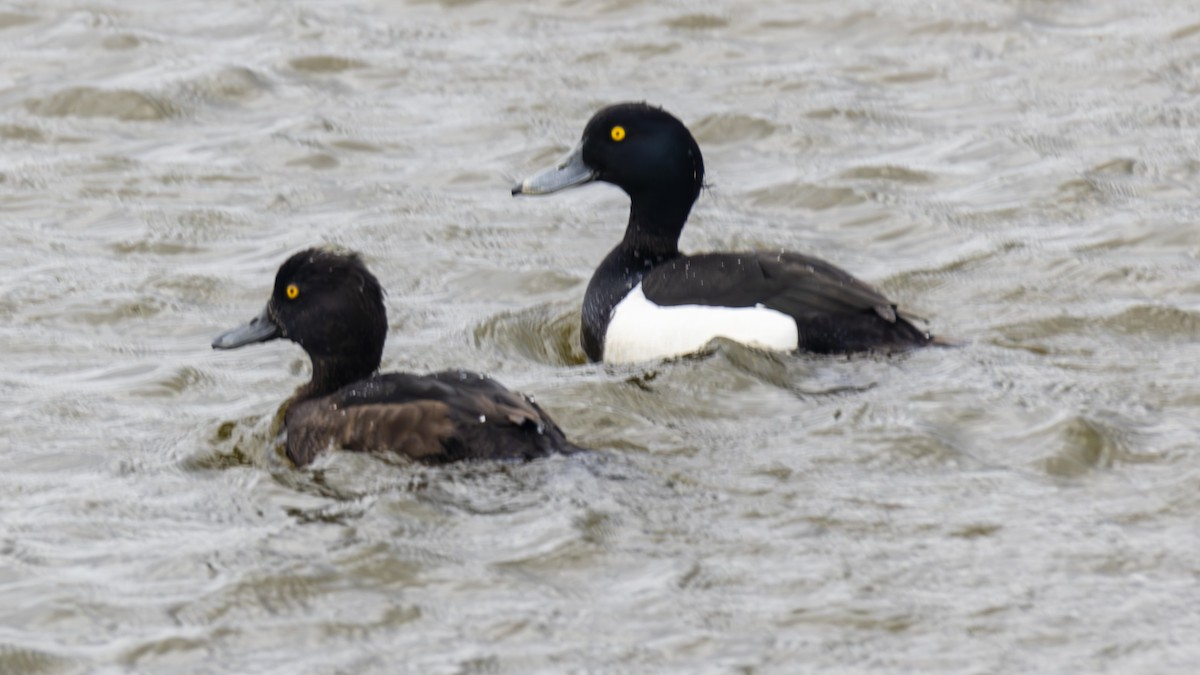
(1023, 174)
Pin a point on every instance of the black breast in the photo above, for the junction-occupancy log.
(620, 271)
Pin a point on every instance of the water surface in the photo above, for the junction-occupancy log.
(1021, 173)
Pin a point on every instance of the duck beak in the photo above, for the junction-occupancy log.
(259, 329)
(569, 172)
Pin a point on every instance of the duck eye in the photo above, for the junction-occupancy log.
(618, 133)
(293, 291)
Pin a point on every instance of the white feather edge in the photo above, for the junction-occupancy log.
(640, 330)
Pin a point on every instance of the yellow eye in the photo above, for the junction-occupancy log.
(293, 291)
(618, 133)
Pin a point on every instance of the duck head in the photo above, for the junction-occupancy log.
(641, 149)
(331, 305)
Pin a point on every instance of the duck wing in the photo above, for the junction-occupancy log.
(800, 286)
(437, 418)
(834, 311)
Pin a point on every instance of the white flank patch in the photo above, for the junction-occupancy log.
(641, 330)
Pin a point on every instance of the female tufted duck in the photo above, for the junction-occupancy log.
(332, 306)
(646, 300)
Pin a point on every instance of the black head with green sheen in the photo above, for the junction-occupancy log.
(330, 304)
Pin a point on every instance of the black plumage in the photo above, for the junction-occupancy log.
(332, 306)
(652, 156)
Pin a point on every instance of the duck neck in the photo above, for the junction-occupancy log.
(654, 227)
(331, 373)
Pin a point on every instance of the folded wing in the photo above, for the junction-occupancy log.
(834, 311)
(435, 418)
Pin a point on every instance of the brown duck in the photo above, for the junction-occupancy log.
(332, 306)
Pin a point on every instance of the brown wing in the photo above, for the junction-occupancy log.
(435, 418)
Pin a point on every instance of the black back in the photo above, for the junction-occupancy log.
(834, 312)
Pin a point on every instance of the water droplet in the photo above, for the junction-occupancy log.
(482, 419)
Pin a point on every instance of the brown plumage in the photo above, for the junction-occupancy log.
(332, 306)
(436, 418)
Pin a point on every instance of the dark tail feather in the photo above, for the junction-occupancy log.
(569, 448)
(907, 321)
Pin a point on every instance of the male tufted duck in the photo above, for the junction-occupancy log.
(646, 300)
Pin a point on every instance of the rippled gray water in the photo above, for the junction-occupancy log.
(1022, 173)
